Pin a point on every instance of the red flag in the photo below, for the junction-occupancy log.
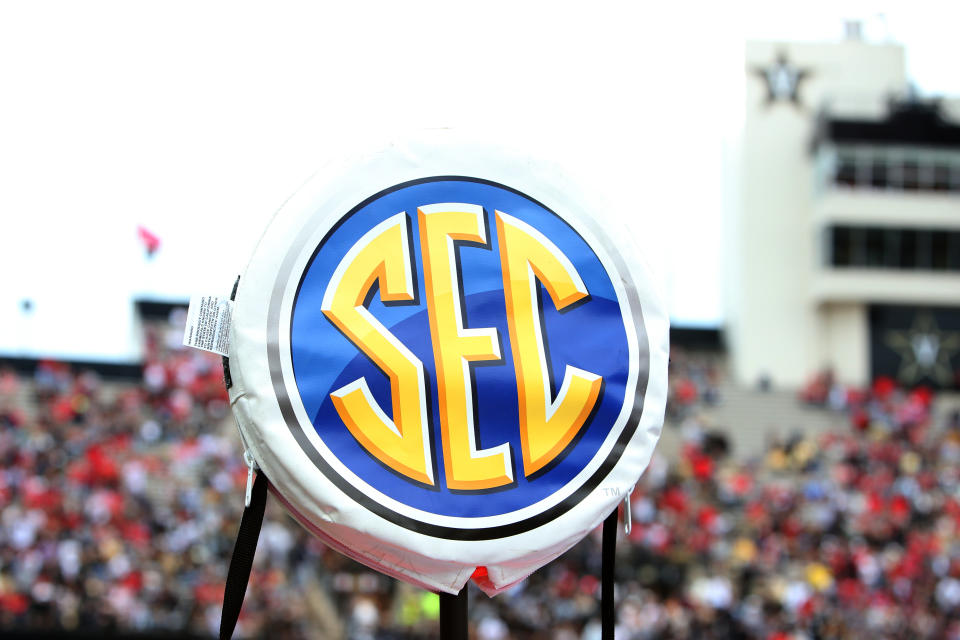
(151, 242)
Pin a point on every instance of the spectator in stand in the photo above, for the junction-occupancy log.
(693, 380)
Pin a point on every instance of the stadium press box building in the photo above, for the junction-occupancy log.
(845, 247)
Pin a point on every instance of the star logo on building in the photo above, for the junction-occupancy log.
(782, 80)
(925, 351)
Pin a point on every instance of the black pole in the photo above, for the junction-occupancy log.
(606, 576)
(453, 615)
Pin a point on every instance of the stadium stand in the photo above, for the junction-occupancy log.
(119, 503)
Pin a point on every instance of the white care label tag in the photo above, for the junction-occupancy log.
(208, 324)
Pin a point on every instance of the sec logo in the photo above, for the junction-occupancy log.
(452, 338)
(443, 350)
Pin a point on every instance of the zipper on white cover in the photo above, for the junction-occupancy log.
(251, 466)
(627, 515)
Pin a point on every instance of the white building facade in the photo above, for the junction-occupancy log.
(845, 239)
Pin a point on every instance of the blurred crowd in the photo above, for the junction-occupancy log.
(119, 505)
(850, 534)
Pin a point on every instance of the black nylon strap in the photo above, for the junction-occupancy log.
(607, 617)
(242, 560)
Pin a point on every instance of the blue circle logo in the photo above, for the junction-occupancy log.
(464, 351)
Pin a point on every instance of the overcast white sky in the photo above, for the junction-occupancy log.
(197, 120)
